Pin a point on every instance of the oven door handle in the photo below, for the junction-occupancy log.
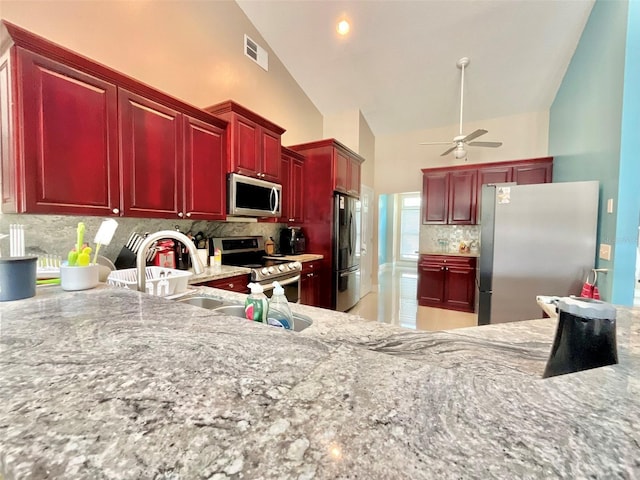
(269, 286)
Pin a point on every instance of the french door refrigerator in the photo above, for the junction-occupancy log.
(346, 268)
(534, 240)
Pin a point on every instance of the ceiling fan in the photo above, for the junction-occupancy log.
(459, 142)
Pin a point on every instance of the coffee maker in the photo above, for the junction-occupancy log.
(292, 241)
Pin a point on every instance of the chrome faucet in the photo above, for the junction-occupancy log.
(141, 260)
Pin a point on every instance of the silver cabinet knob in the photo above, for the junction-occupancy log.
(116, 211)
(180, 214)
(231, 285)
(188, 214)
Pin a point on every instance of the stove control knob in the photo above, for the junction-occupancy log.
(282, 268)
(271, 269)
(296, 265)
(264, 271)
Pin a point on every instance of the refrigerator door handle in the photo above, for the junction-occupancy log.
(350, 233)
(350, 272)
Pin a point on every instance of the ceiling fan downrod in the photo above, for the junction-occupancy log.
(461, 64)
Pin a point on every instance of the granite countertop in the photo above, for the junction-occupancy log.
(451, 254)
(216, 273)
(302, 257)
(111, 383)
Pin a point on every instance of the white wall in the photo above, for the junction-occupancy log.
(399, 158)
(192, 50)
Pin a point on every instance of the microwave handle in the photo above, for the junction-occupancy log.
(274, 204)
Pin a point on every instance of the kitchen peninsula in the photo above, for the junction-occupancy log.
(112, 383)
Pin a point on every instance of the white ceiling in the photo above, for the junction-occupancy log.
(398, 66)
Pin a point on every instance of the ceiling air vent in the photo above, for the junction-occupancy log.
(256, 53)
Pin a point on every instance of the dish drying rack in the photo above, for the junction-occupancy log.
(160, 281)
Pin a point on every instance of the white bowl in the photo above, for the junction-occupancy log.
(79, 278)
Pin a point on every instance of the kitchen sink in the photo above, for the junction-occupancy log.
(204, 302)
(221, 307)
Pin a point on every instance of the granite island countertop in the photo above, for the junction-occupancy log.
(111, 383)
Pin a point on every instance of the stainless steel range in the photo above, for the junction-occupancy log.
(249, 252)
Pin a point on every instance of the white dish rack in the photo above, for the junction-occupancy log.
(160, 281)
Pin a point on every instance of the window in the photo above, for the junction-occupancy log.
(409, 241)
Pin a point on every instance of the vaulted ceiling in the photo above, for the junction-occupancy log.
(398, 64)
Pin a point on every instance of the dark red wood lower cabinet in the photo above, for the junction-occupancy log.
(310, 283)
(447, 282)
(237, 283)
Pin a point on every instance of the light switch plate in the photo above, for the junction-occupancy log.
(610, 205)
(605, 251)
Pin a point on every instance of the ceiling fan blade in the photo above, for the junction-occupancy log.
(435, 143)
(485, 144)
(448, 151)
(475, 134)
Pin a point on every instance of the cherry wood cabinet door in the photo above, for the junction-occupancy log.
(287, 198)
(435, 197)
(494, 175)
(296, 180)
(310, 282)
(354, 178)
(271, 166)
(460, 288)
(462, 197)
(205, 183)
(431, 284)
(341, 169)
(151, 145)
(532, 173)
(245, 158)
(69, 139)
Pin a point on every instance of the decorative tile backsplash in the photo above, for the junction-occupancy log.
(447, 238)
(56, 234)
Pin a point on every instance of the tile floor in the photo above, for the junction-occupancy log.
(395, 302)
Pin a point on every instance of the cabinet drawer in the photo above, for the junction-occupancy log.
(443, 260)
(237, 283)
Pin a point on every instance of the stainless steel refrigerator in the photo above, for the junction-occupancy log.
(534, 240)
(346, 268)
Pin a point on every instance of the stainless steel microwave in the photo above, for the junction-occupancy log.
(250, 197)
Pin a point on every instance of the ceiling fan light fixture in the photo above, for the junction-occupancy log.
(460, 152)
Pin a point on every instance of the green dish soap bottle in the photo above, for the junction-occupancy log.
(279, 314)
(256, 305)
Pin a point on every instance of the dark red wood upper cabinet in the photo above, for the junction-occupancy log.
(253, 142)
(204, 170)
(68, 140)
(530, 173)
(151, 145)
(246, 148)
(435, 197)
(341, 180)
(292, 187)
(296, 211)
(462, 197)
(271, 156)
(494, 175)
(353, 184)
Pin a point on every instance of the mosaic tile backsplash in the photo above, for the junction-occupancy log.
(56, 234)
(447, 238)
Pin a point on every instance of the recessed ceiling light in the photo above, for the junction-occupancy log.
(343, 27)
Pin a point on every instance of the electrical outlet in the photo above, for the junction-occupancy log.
(605, 251)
